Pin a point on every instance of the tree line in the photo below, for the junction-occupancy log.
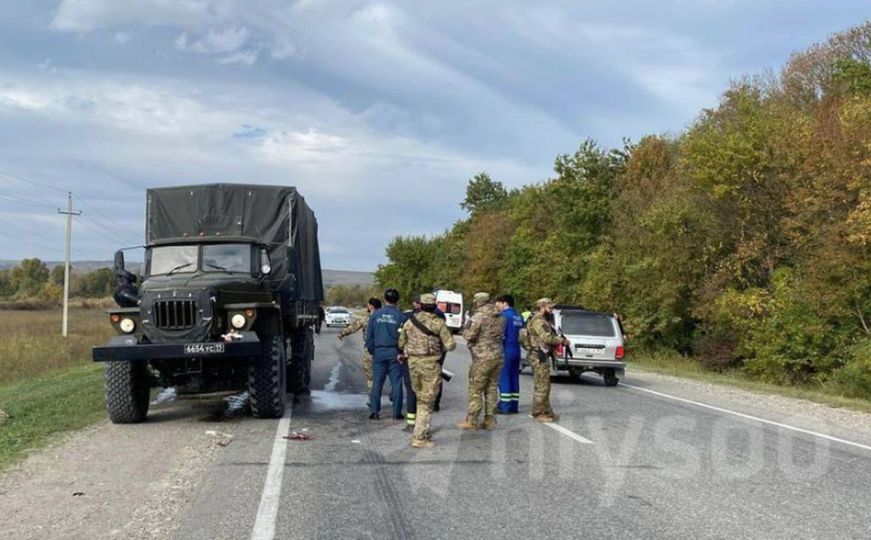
(744, 241)
(32, 280)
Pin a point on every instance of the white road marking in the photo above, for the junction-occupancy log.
(750, 417)
(566, 432)
(267, 512)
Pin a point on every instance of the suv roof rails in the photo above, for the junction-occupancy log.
(581, 308)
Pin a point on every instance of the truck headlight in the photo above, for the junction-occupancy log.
(127, 326)
(238, 321)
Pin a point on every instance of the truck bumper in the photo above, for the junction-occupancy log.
(126, 348)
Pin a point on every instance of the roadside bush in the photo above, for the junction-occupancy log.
(854, 378)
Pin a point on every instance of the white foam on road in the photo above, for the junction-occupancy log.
(750, 417)
(167, 394)
(267, 512)
(334, 378)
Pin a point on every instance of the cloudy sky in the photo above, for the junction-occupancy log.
(377, 111)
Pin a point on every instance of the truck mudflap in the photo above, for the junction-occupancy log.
(126, 348)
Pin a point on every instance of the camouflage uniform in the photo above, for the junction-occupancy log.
(423, 352)
(361, 324)
(484, 334)
(543, 338)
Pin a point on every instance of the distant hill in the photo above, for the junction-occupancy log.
(331, 277)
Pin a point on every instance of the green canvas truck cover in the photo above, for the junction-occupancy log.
(276, 217)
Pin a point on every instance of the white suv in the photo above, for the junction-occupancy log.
(596, 344)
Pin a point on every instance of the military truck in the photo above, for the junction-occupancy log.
(229, 298)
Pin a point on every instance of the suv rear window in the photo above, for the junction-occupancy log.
(576, 323)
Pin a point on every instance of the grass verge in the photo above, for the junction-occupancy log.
(43, 407)
(672, 363)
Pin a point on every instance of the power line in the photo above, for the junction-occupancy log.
(26, 181)
(24, 201)
(105, 217)
(109, 230)
(31, 242)
(102, 232)
(24, 231)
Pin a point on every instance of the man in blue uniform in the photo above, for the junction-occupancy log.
(382, 342)
(509, 380)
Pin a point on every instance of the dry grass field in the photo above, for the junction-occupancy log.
(48, 384)
(31, 344)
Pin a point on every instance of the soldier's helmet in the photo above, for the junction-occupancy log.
(481, 298)
(427, 299)
(544, 302)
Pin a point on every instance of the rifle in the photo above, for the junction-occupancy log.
(567, 349)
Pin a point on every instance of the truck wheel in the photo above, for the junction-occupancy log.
(301, 354)
(128, 391)
(266, 380)
(610, 377)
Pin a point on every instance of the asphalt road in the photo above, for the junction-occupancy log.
(657, 459)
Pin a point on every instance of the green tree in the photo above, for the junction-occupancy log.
(28, 278)
(6, 288)
(411, 267)
(483, 194)
(56, 275)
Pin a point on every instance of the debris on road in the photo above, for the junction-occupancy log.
(294, 436)
(237, 402)
(78, 494)
(355, 441)
(222, 439)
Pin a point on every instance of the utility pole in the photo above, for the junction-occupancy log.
(69, 213)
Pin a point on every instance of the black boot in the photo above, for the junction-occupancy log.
(373, 416)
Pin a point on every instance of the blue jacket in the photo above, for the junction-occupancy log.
(513, 323)
(383, 330)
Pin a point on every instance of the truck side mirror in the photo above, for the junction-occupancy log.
(119, 261)
(265, 267)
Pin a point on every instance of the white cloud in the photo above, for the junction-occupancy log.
(87, 15)
(220, 40)
(247, 58)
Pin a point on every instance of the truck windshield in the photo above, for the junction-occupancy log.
(578, 323)
(227, 258)
(173, 259)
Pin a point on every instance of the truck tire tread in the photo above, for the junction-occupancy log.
(128, 391)
(266, 386)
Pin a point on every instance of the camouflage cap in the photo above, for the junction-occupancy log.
(428, 299)
(544, 302)
(481, 298)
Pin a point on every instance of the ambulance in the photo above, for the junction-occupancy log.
(451, 304)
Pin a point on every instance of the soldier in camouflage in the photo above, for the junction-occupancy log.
(361, 324)
(422, 340)
(484, 334)
(542, 340)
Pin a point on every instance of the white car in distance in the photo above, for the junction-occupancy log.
(337, 316)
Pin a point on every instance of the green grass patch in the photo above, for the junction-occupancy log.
(41, 408)
(673, 363)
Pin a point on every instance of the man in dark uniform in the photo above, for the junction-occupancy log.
(382, 342)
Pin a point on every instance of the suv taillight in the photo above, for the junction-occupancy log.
(621, 352)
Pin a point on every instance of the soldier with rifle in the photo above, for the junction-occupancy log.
(423, 338)
(542, 341)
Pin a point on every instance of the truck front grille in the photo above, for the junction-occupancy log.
(174, 314)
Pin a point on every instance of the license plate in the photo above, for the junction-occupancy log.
(204, 348)
(586, 350)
